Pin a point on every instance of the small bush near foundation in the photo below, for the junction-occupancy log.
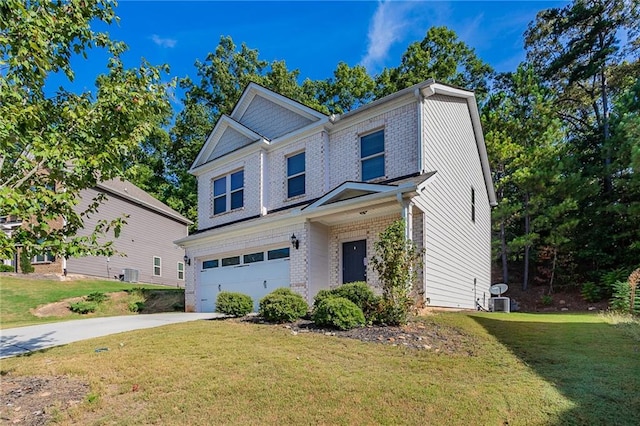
(391, 313)
(97, 297)
(83, 307)
(282, 305)
(6, 268)
(236, 304)
(357, 292)
(338, 312)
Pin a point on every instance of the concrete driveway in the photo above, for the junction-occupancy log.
(16, 341)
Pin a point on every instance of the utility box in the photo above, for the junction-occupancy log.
(499, 304)
(130, 275)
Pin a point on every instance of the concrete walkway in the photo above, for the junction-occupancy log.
(20, 340)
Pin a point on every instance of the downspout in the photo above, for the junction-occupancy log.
(325, 166)
(420, 98)
(264, 197)
(407, 216)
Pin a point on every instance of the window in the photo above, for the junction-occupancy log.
(43, 258)
(473, 205)
(180, 270)
(230, 261)
(156, 266)
(372, 155)
(278, 253)
(295, 175)
(208, 264)
(254, 257)
(228, 192)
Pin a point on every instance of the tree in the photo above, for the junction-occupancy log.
(348, 89)
(396, 262)
(442, 56)
(53, 146)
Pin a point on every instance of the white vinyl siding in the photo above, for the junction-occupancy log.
(458, 250)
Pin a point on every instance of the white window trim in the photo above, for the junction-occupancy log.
(159, 274)
(227, 194)
(303, 172)
(372, 156)
(181, 271)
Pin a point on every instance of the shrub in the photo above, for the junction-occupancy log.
(388, 312)
(83, 307)
(547, 300)
(97, 297)
(282, 305)
(591, 292)
(609, 280)
(6, 268)
(136, 305)
(357, 292)
(621, 297)
(338, 312)
(236, 304)
(25, 262)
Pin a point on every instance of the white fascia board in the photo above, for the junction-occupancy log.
(442, 89)
(232, 156)
(302, 132)
(358, 186)
(254, 89)
(214, 137)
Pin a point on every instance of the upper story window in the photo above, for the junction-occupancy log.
(372, 155)
(295, 175)
(228, 192)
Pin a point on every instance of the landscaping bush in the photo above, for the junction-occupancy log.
(6, 268)
(83, 307)
(97, 297)
(136, 305)
(357, 292)
(609, 281)
(25, 263)
(389, 312)
(591, 292)
(621, 297)
(236, 304)
(282, 305)
(338, 312)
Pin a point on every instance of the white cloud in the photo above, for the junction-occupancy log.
(389, 25)
(164, 42)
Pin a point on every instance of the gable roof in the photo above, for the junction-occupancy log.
(130, 192)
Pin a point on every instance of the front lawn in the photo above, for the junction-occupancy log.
(519, 369)
(18, 296)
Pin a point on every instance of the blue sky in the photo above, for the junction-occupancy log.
(310, 36)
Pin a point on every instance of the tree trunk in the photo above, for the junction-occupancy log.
(553, 269)
(527, 247)
(608, 187)
(503, 245)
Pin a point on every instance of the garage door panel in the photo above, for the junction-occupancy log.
(254, 279)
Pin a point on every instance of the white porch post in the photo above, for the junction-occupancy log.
(407, 215)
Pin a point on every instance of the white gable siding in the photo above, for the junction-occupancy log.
(401, 145)
(146, 234)
(457, 249)
(252, 177)
(270, 119)
(230, 140)
(314, 169)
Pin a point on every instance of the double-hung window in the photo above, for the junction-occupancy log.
(180, 270)
(157, 266)
(295, 175)
(228, 192)
(372, 155)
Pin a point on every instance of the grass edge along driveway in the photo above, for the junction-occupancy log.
(524, 369)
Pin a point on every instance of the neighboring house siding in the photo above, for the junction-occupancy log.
(230, 140)
(270, 119)
(146, 234)
(252, 167)
(277, 171)
(401, 145)
(458, 250)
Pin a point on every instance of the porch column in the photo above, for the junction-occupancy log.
(407, 215)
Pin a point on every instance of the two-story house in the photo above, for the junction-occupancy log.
(291, 197)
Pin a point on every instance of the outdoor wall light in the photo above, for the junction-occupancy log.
(294, 241)
(187, 260)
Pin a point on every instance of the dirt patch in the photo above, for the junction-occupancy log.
(422, 334)
(28, 400)
(157, 301)
(537, 299)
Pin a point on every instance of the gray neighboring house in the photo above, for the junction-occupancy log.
(147, 238)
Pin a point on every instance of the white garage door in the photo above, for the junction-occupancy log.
(255, 274)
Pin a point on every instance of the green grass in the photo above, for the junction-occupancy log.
(19, 295)
(524, 370)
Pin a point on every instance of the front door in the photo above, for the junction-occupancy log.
(354, 255)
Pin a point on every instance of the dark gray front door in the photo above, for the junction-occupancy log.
(353, 261)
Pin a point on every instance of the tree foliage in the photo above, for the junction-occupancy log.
(54, 145)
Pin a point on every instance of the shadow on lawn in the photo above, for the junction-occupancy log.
(594, 365)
